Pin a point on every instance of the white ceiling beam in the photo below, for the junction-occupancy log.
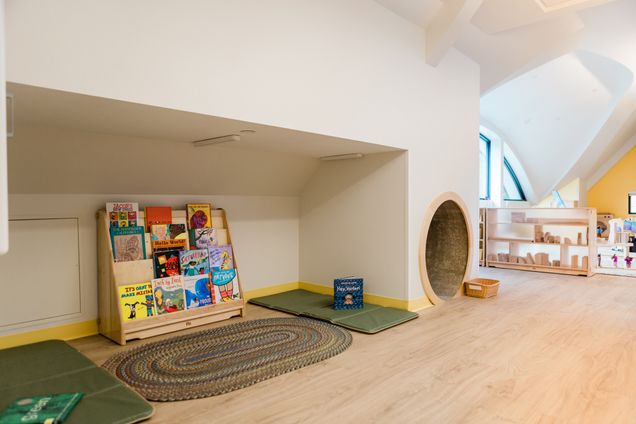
(446, 27)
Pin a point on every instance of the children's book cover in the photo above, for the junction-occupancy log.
(136, 301)
(225, 284)
(221, 257)
(168, 294)
(166, 263)
(199, 215)
(348, 293)
(160, 232)
(129, 243)
(163, 245)
(122, 214)
(203, 238)
(178, 231)
(157, 215)
(198, 291)
(194, 262)
(47, 409)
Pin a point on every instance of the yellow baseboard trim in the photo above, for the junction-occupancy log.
(267, 291)
(62, 332)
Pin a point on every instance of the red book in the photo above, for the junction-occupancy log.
(158, 215)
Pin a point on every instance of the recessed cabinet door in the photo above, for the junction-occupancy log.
(39, 276)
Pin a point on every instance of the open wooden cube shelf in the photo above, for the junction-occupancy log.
(114, 274)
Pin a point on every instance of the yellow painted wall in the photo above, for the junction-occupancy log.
(609, 194)
(569, 193)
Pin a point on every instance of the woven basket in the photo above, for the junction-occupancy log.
(481, 287)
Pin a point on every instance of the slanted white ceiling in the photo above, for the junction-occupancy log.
(550, 115)
(72, 143)
(556, 79)
(37, 106)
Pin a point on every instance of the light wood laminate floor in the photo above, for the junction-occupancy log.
(548, 349)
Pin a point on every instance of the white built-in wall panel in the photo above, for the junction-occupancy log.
(40, 278)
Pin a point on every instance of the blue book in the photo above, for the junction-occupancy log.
(348, 293)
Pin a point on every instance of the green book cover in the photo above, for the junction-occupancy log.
(50, 409)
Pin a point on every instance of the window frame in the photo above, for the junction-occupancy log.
(488, 142)
(515, 180)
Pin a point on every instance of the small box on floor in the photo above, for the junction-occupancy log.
(347, 293)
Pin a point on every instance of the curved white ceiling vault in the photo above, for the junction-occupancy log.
(556, 77)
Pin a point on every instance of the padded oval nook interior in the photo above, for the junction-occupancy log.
(447, 249)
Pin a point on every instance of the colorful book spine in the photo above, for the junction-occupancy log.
(203, 238)
(194, 262)
(122, 214)
(157, 215)
(199, 215)
(198, 291)
(136, 301)
(348, 293)
(168, 294)
(166, 263)
(221, 257)
(225, 284)
(128, 243)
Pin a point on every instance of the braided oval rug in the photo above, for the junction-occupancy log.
(223, 359)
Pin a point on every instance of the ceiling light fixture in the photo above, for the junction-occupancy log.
(217, 140)
(343, 157)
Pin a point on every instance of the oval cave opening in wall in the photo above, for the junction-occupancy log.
(447, 250)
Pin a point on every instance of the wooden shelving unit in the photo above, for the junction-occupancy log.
(482, 237)
(542, 239)
(113, 274)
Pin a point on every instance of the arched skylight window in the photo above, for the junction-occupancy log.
(511, 188)
(484, 167)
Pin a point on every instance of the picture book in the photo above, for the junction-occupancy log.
(348, 293)
(203, 238)
(178, 231)
(166, 263)
(128, 243)
(199, 215)
(221, 257)
(163, 245)
(197, 291)
(225, 284)
(51, 409)
(168, 294)
(194, 262)
(160, 232)
(136, 302)
(157, 215)
(122, 214)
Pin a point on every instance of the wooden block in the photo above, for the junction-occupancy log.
(557, 239)
(546, 237)
(492, 257)
(538, 233)
(574, 261)
(521, 260)
(579, 239)
(584, 262)
(556, 263)
(567, 241)
(529, 259)
(517, 216)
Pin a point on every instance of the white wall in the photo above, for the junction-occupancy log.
(353, 222)
(264, 234)
(349, 69)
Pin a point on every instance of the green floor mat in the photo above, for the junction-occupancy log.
(55, 367)
(370, 319)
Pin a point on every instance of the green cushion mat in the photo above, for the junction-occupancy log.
(55, 367)
(370, 319)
